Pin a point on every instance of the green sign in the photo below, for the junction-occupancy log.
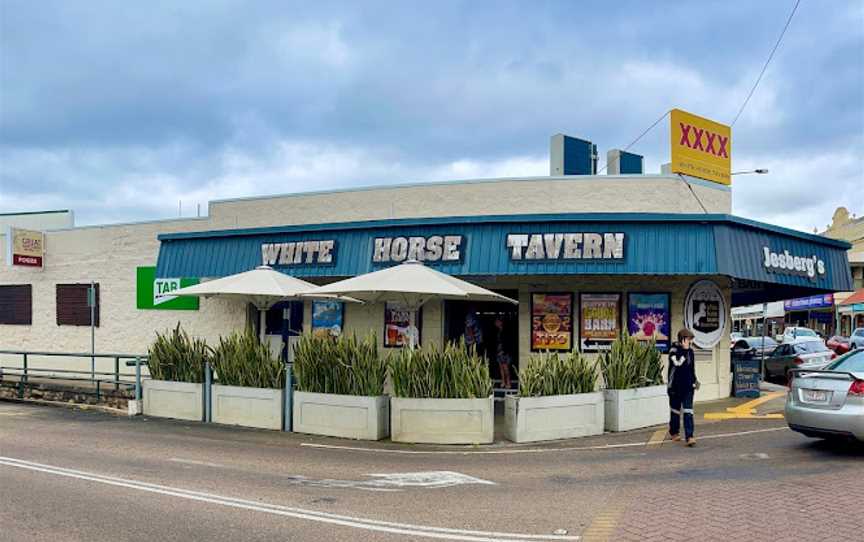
(153, 293)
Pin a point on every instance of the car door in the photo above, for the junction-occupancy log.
(775, 362)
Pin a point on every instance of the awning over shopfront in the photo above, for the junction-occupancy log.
(765, 262)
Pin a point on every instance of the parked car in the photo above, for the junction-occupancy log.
(799, 334)
(856, 340)
(829, 403)
(787, 356)
(839, 344)
(750, 347)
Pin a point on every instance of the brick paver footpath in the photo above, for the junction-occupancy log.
(820, 506)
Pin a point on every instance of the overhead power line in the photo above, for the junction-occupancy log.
(627, 148)
(765, 67)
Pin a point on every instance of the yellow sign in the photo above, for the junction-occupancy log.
(27, 247)
(701, 147)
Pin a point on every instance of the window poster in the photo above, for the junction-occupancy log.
(599, 321)
(648, 318)
(328, 318)
(397, 325)
(551, 322)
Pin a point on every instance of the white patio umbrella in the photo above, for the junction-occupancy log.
(410, 283)
(262, 286)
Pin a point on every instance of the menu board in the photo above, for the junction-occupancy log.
(328, 318)
(648, 318)
(397, 325)
(599, 321)
(551, 322)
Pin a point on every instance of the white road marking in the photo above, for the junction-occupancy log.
(523, 450)
(299, 513)
(395, 481)
(195, 462)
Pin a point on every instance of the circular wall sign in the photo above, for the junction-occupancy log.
(705, 313)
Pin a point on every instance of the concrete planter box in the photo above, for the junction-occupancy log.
(348, 416)
(532, 419)
(636, 408)
(442, 421)
(167, 399)
(249, 407)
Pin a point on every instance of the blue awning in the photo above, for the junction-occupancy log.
(765, 262)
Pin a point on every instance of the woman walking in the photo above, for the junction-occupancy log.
(682, 384)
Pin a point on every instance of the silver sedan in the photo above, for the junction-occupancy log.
(829, 403)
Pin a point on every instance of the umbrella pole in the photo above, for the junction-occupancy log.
(262, 319)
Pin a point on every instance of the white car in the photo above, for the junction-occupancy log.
(856, 339)
(793, 335)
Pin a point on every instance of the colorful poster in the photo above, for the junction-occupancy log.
(26, 248)
(157, 294)
(328, 318)
(599, 321)
(551, 322)
(397, 325)
(648, 317)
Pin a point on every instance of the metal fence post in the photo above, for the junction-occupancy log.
(116, 373)
(208, 381)
(137, 378)
(288, 399)
(25, 368)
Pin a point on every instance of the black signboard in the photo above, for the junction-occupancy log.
(747, 373)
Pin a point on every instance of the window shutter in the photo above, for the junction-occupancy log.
(16, 304)
(72, 309)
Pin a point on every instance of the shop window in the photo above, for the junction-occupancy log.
(16, 305)
(276, 318)
(72, 308)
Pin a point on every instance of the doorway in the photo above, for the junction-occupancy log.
(492, 327)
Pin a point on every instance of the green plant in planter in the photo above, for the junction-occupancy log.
(241, 359)
(343, 365)
(551, 374)
(630, 363)
(177, 357)
(430, 372)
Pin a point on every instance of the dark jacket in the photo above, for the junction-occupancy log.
(681, 375)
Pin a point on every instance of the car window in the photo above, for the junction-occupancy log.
(853, 362)
(742, 345)
(810, 347)
(780, 350)
(805, 333)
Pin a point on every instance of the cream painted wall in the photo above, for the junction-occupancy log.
(575, 194)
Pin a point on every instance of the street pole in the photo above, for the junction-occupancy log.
(764, 326)
(91, 300)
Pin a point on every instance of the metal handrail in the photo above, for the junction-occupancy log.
(75, 354)
(25, 370)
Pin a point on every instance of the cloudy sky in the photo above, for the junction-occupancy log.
(118, 110)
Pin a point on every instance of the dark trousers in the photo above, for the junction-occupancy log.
(681, 404)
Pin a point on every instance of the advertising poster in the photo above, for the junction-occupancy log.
(328, 318)
(648, 318)
(397, 325)
(599, 321)
(156, 294)
(551, 322)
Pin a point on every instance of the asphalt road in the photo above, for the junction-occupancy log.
(73, 475)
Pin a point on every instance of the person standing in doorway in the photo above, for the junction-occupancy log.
(501, 354)
(682, 384)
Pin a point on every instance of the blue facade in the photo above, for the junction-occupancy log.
(579, 156)
(630, 164)
(654, 244)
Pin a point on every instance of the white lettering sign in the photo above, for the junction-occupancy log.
(162, 289)
(435, 248)
(784, 262)
(566, 246)
(298, 253)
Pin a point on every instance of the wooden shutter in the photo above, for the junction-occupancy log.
(72, 309)
(16, 304)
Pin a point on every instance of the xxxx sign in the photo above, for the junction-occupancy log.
(701, 147)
